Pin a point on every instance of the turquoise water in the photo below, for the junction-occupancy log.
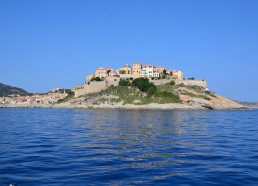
(118, 147)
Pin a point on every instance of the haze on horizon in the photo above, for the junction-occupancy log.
(48, 44)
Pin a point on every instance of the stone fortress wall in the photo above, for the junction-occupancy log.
(160, 81)
(200, 83)
(97, 86)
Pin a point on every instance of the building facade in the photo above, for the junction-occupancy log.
(100, 72)
(125, 70)
(149, 72)
(177, 74)
(136, 70)
(160, 69)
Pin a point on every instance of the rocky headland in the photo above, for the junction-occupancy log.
(170, 97)
(166, 97)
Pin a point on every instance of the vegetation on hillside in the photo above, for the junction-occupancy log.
(68, 97)
(6, 90)
(95, 79)
(138, 91)
(195, 91)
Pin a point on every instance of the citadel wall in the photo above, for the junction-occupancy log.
(97, 86)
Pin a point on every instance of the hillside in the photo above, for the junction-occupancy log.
(6, 90)
(248, 104)
(167, 96)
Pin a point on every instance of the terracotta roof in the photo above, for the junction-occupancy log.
(148, 65)
(137, 63)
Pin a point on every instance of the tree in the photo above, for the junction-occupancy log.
(143, 84)
(121, 71)
(108, 71)
(124, 82)
(95, 79)
(171, 73)
(164, 71)
(192, 78)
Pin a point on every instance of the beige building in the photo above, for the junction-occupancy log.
(177, 74)
(159, 69)
(102, 72)
(125, 71)
(113, 73)
(136, 70)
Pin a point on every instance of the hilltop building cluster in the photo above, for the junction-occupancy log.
(102, 78)
(137, 70)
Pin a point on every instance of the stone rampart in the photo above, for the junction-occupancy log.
(200, 83)
(160, 81)
(80, 90)
(113, 81)
(92, 87)
(97, 86)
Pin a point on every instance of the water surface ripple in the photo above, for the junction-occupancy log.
(117, 147)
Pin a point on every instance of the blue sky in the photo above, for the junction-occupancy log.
(54, 43)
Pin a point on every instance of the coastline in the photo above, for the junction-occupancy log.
(152, 106)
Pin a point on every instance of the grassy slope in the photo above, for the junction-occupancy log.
(131, 95)
(165, 94)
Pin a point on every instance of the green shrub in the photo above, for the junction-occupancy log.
(151, 90)
(207, 98)
(68, 97)
(95, 79)
(124, 82)
(142, 84)
(210, 93)
(172, 83)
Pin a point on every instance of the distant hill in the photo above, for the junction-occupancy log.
(249, 104)
(6, 90)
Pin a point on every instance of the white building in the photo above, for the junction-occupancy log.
(148, 72)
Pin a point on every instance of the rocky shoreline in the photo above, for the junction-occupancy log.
(152, 106)
(168, 97)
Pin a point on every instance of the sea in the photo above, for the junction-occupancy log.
(54, 147)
